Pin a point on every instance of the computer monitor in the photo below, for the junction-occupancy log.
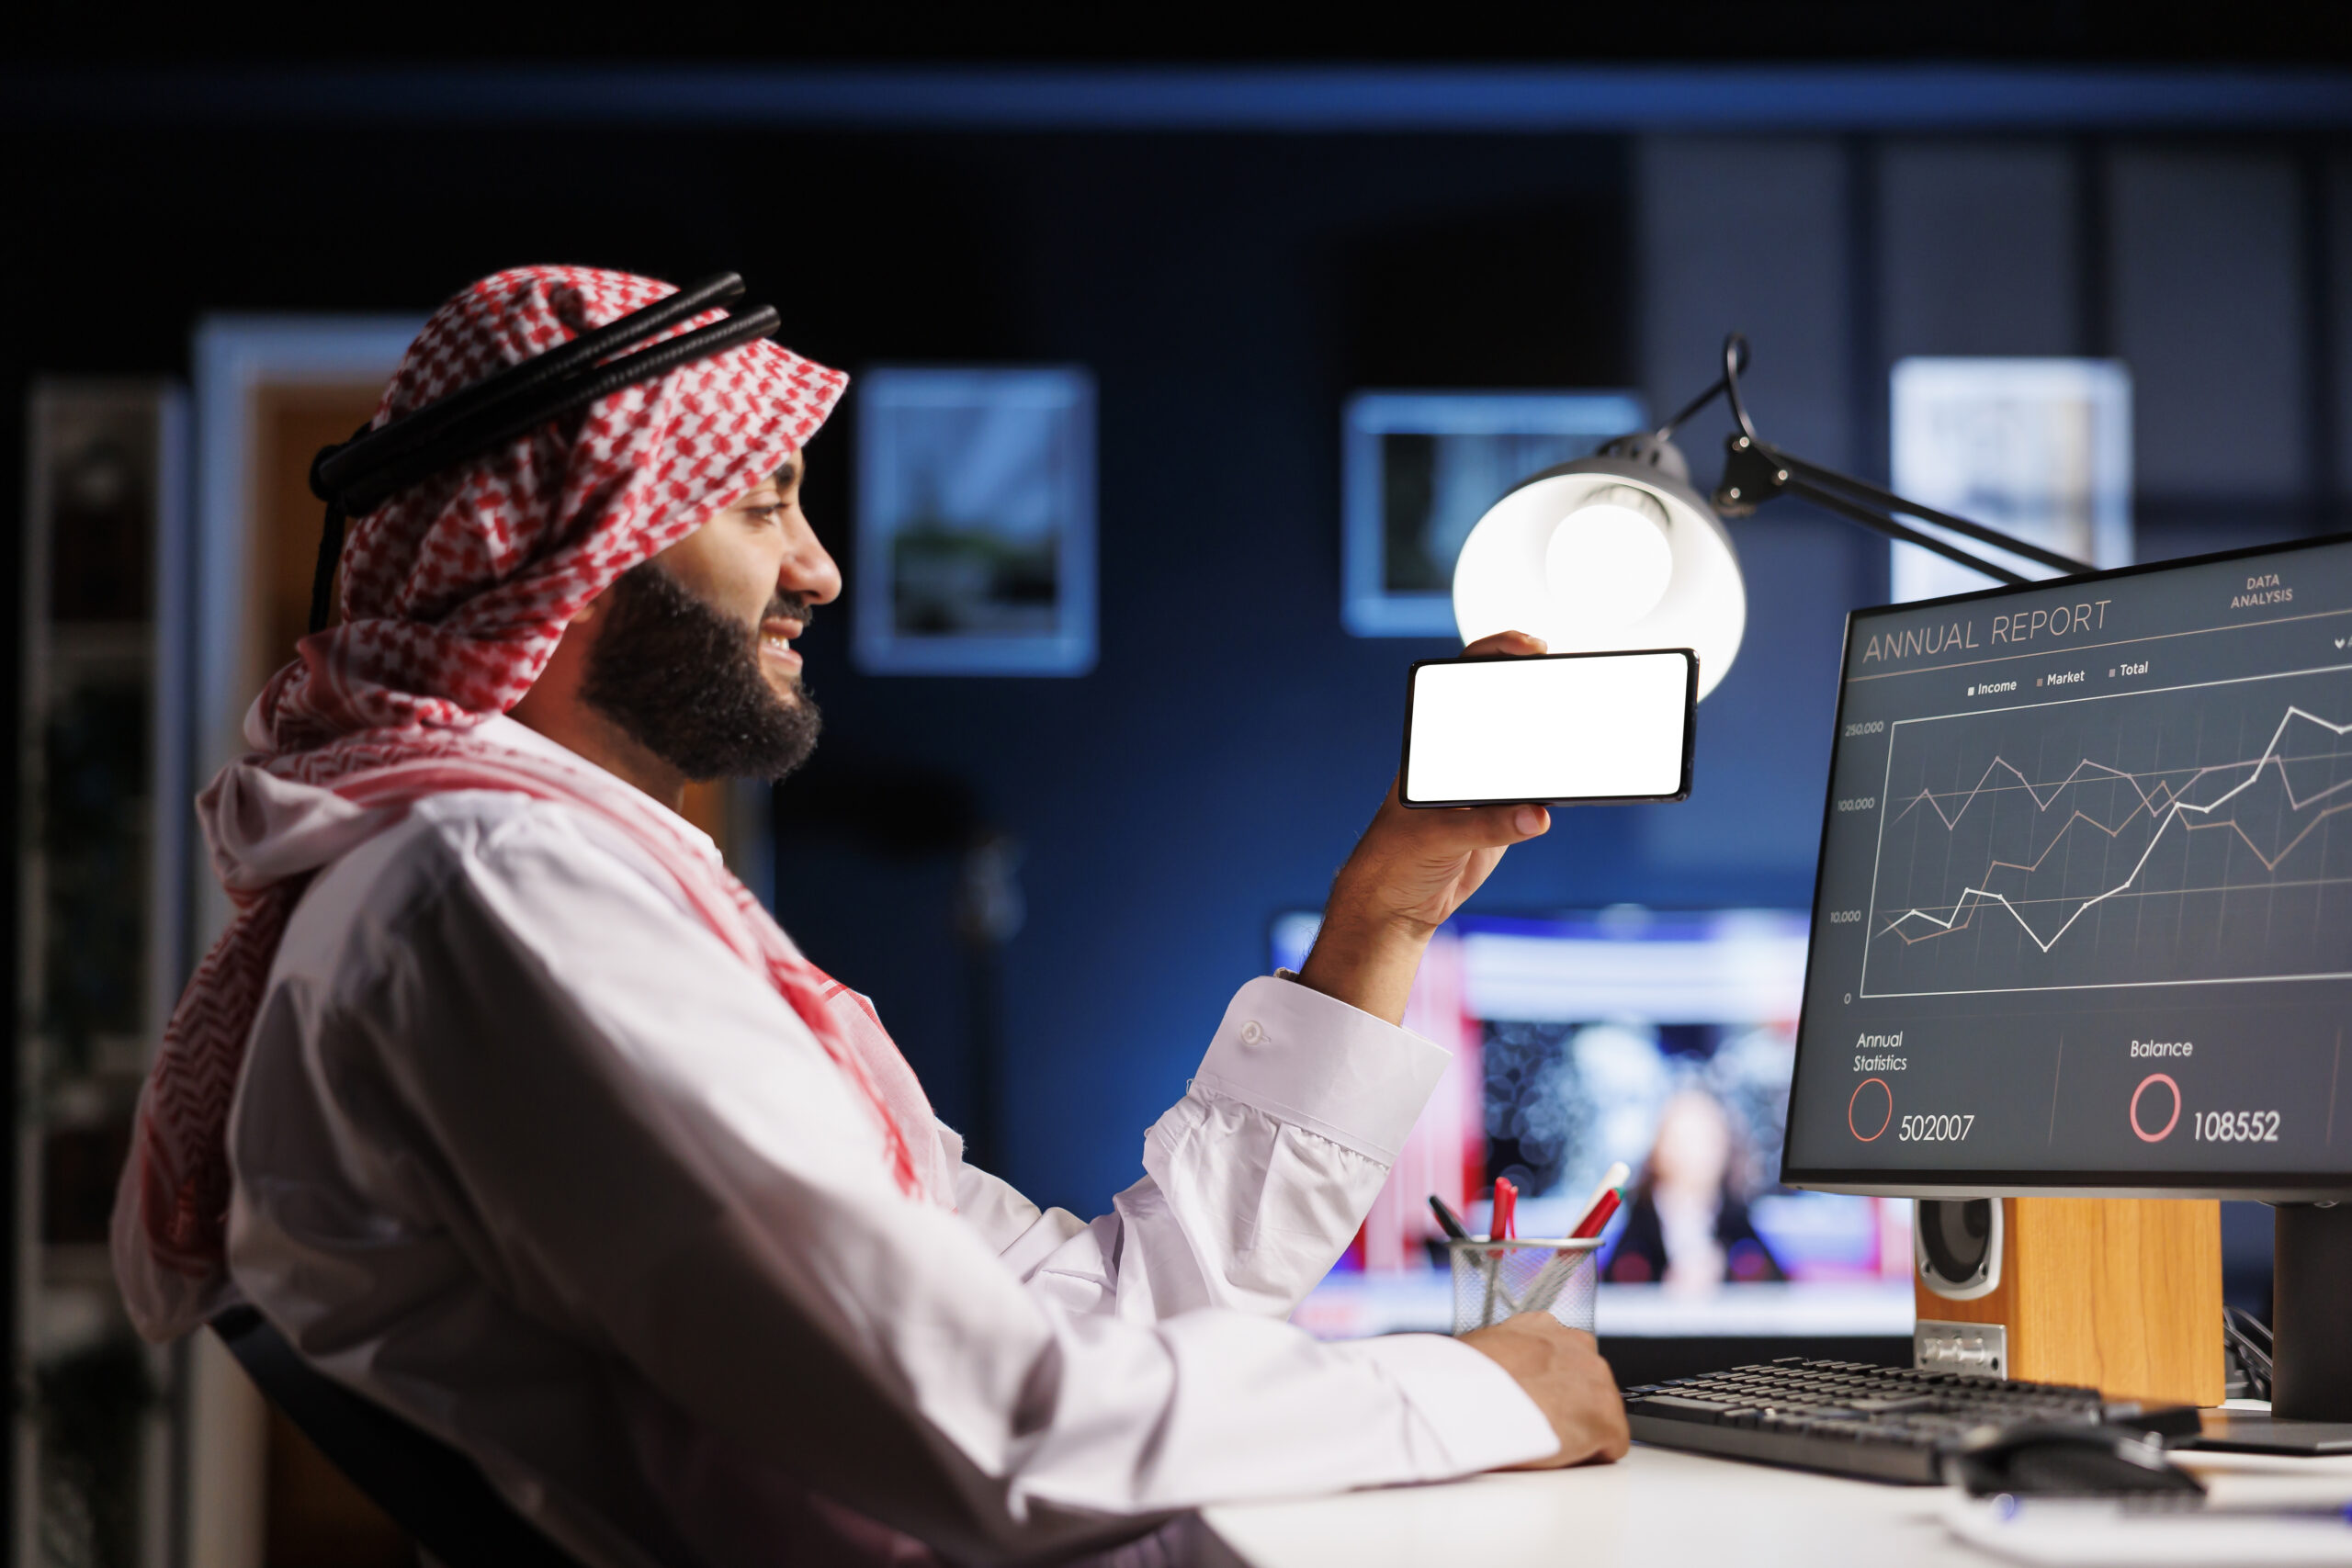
(2083, 919)
(2083, 922)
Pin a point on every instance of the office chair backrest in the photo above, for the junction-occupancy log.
(431, 1490)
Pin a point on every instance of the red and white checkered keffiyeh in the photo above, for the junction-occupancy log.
(454, 593)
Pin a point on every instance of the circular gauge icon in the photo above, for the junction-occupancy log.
(2161, 1133)
(1866, 1107)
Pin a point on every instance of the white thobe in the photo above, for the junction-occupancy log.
(524, 1154)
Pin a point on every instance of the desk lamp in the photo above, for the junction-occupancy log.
(1617, 550)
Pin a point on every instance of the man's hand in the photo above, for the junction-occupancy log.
(1562, 1372)
(1409, 872)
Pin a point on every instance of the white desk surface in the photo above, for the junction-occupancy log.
(1657, 1507)
(1666, 1508)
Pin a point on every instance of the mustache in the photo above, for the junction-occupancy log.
(784, 607)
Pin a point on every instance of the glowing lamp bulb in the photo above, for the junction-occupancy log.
(1607, 562)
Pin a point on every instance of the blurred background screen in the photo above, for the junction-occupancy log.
(1661, 1038)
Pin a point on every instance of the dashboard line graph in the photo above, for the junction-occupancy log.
(2164, 802)
(2164, 793)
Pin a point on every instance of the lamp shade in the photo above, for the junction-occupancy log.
(1606, 553)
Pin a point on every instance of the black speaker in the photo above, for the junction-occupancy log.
(1956, 1243)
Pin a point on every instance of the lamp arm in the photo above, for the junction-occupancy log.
(1726, 386)
(1755, 473)
(1878, 523)
(1888, 500)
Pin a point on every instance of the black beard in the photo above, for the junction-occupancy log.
(684, 682)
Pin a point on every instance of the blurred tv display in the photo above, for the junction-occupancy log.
(1661, 1038)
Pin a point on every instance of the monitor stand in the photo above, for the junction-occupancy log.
(2311, 1390)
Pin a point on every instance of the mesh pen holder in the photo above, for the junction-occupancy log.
(1495, 1280)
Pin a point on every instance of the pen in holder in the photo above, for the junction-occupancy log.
(1495, 1280)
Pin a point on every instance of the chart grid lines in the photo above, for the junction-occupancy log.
(2151, 795)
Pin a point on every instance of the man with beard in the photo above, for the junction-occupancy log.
(544, 1135)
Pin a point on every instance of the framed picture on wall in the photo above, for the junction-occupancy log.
(1421, 469)
(2041, 448)
(975, 551)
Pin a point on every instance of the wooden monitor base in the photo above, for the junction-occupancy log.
(2123, 1295)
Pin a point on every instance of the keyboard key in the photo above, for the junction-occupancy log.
(1674, 1407)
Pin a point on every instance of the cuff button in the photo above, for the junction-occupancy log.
(1251, 1033)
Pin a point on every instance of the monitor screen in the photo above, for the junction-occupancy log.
(2083, 916)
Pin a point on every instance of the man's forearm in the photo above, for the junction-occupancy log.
(1407, 874)
(1366, 962)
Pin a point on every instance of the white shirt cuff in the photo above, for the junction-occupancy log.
(1473, 1413)
(1314, 1062)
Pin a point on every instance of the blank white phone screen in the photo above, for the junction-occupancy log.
(1506, 729)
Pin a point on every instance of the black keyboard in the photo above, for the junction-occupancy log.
(1878, 1423)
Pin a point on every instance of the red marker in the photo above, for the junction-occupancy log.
(1599, 1216)
(1604, 1201)
(1503, 1225)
